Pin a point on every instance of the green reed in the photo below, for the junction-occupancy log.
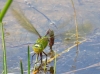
(21, 67)
(28, 60)
(55, 61)
(2, 14)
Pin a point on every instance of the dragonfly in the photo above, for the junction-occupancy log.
(43, 41)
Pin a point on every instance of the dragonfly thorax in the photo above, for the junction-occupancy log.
(40, 44)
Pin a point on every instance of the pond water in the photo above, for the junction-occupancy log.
(56, 15)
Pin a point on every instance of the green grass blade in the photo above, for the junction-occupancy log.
(55, 63)
(28, 60)
(4, 49)
(2, 14)
(21, 67)
(4, 10)
(22, 19)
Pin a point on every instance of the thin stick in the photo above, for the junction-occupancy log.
(76, 24)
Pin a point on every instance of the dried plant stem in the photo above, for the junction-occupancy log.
(76, 24)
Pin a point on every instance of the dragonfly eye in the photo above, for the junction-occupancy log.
(37, 45)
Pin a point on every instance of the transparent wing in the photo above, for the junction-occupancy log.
(68, 36)
(21, 18)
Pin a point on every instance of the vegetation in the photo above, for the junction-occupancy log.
(2, 14)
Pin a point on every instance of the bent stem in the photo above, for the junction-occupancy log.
(2, 14)
(4, 49)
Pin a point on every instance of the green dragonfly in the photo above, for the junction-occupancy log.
(43, 41)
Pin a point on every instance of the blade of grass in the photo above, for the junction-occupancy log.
(2, 14)
(28, 60)
(4, 10)
(55, 64)
(21, 67)
(4, 50)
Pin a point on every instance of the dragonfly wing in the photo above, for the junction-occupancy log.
(21, 18)
(69, 36)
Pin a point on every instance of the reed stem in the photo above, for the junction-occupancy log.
(28, 60)
(21, 67)
(2, 14)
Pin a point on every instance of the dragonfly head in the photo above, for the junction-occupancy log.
(37, 47)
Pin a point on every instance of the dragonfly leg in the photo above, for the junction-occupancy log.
(46, 57)
(37, 57)
(32, 57)
(41, 57)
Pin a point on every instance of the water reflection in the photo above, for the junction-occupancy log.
(41, 70)
(74, 66)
